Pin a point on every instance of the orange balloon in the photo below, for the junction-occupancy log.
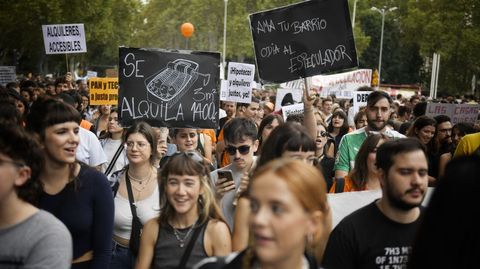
(187, 29)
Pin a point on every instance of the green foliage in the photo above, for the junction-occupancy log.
(413, 32)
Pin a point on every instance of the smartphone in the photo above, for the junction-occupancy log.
(225, 174)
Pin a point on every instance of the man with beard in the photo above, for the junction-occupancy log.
(241, 142)
(380, 234)
(443, 145)
(378, 112)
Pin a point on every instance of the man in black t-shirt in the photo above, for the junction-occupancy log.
(380, 234)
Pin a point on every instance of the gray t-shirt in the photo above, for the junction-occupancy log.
(226, 204)
(40, 241)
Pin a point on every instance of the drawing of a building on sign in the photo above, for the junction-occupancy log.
(172, 82)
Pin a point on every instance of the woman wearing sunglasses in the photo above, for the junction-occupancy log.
(324, 153)
(290, 219)
(190, 226)
(136, 194)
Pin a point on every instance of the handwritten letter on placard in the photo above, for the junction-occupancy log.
(169, 88)
(303, 40)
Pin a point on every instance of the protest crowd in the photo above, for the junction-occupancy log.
(174, 160)
(79, 190)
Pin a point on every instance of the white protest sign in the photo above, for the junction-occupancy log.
(342, 85)
(359, 100)
(456, 112)
(292, 110)
(7, 74)
(91, 74)
(465, 113)
(287, 96)
(240, 82)
(64, 38)
(223, 89)
(342, 204)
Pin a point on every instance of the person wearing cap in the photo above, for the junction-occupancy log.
(378, 112)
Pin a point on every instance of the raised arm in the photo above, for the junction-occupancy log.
(308, 116)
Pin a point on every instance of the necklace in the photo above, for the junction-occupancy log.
(178, 234)
(140, 180)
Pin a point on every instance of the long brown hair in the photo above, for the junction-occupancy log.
(359, 172)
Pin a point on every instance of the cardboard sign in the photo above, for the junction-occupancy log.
(287, 95)
(64, 38)
(302, 40)
(169, 88)
(457, 112)
(103, 91)
(342, 85)
(359, 100)
(7, 75)
(292, 110)
(240, 82)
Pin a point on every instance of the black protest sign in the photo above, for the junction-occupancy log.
(303, 40)
(169, 88)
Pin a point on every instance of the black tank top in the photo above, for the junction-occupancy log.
(168, 251)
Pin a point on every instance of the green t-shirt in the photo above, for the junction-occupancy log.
(351, 143)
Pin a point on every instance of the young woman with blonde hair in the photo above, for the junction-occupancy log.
(290, 219)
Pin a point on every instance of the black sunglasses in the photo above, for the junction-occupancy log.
(242, 149)
(323, 134)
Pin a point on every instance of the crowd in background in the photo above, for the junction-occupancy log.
(139, 196)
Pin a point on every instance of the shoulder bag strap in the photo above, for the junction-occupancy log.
(114, 160)
(188, 250)
(130, 195)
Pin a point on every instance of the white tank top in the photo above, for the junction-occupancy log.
(147, 209)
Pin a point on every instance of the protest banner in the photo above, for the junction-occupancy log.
(302, 40)
(169, 88)
(64, 38)
(457, 112)
(359, 100)
(287, 97)
(7, 75)
(103, 91)
(292, 110)
(240, 83)
(342, 85)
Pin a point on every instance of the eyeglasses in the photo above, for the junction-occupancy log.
(322, 133)
(11, 162)
(140, 145)
(244, 149)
